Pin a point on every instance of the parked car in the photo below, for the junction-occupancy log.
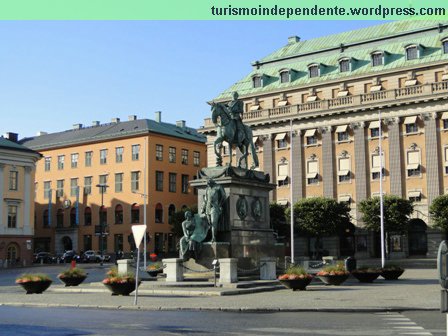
(91, 256)
(43, 257)
(68, 256)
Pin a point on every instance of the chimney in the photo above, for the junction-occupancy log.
(132, 117)
(14, 137)
(180, 123)
(95, 123)
(41, 133)
(115, 120)
(158, 116)
(77, 126)
(293, 39)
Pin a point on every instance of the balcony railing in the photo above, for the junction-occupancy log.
(354, 102)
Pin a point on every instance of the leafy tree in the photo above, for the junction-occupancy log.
(439, 212)
(279, 222)
(178, 217)
(396, 212)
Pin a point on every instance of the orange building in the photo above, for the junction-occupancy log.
(77, 162)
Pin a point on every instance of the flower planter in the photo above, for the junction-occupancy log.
(366, 277)
(35, 287)
(296, 284)
(333, 280)
(72, 281)
(154, 273)
(121, 288)
(391, 274)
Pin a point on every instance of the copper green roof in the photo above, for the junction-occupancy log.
(357, 45)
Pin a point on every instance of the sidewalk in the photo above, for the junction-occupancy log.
(417, 289)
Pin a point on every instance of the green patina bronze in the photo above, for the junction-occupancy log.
(195, 231)
(212, 206)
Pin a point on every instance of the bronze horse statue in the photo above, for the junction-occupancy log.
(227, 131)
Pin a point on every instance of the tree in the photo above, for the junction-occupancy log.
(439, 212)
(396, 213)
(278, 220)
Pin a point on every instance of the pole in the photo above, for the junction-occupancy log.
(101, 225)
(144, 204)
(381, 191)
(291, 192)
(136, 275)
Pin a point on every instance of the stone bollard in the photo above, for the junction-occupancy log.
(267, 269)
(228, 272)
(125, 266)
(174, 270)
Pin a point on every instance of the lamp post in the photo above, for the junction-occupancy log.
(103, 188)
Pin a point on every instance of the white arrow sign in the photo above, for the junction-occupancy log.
(138, 231)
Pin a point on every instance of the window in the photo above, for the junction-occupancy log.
(344, 65)
(313, 71)
(135, 152)
(411, 53)
(344, 169)
(103, 216)
(413, 163)
(88, 159)
(281, 140)
(118, 154)
(74, 187)
(73, 217)
(103, 181)
(282, 173)
(375, 132)
(159, 152)
(118, 242)
(172, 182)
(47, 164)
(102, 243)
(184, 156)
(445, 46)
(135, 213)
(312, 172)
(159, 181)
(159, 213)
(342, 136)
(284, 76)
(135, 181)
(87, 242)
(60, 218)
(87, 185)
(171, 211)
(103, 156)
(119, 182)
(88, 216)
(311, 140)
(257, 82)
(196, 158)
(59, 188)
(377, 165)
(185, 179)
(172, 155)
(12, 216)
(61, 159)
(45, 219)
(74, 160)
(445, 124)
(118, 214)
(415, 196)
(47, 190)
(411, 128)
(13, 179)
(377, 59)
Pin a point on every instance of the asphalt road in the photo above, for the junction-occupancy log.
(21, 321)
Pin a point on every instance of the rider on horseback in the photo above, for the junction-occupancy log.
(236, 108)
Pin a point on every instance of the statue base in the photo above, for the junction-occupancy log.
(209, 252)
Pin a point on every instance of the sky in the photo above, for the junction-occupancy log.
(54, 74)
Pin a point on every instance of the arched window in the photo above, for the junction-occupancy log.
(88, 216)
(313, 70)
(135, 213)
(45, 218)
(73, 217)
(118, 214)
(344, 65)
(445, 45)
(257, 81)
(171, 211)
(12, 252)
(377, 58)
(412, 52)
(60, 218)
(103, 215)
(285, 76)
(159, 213)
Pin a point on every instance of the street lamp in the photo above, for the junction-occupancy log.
(103, 188)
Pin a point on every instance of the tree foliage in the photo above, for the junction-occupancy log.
(439, 212)
(279, 222)
(320, 216)
(396, 212)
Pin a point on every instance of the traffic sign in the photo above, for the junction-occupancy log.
(138, 232)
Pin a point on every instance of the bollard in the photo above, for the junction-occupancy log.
(73, 264)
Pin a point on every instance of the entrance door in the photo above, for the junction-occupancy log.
(418, 243)
(67, 243)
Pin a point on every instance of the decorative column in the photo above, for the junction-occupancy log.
(327, 162)
(2, 178)
(432, 156)
(297, 166)
(360, 164)
(268, 160)
(27, 202)
(395, 164)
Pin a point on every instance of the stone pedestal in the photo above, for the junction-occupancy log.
(174, 270)
(267, 269)
(209, 252)
(125, 266)
(228, 271)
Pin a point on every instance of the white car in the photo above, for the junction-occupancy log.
(91, 256)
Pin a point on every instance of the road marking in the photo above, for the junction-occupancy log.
(403, 325)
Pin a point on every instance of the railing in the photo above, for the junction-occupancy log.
(341, 102)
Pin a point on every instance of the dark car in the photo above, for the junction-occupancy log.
(43, 257)
(68, 256)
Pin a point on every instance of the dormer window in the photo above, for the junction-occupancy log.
(344, 65)
(313, 70)
(377, 58)
(257, 81)
(285, 76)
(445, 46)
(412, 52)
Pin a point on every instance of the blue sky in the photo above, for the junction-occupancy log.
(57, 73)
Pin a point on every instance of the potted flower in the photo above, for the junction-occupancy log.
(34, 283)
(154, 268)
(295, 278)
(120, 283)
(72, 276)
(366, 274)
(391, 272)
(333, 274)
